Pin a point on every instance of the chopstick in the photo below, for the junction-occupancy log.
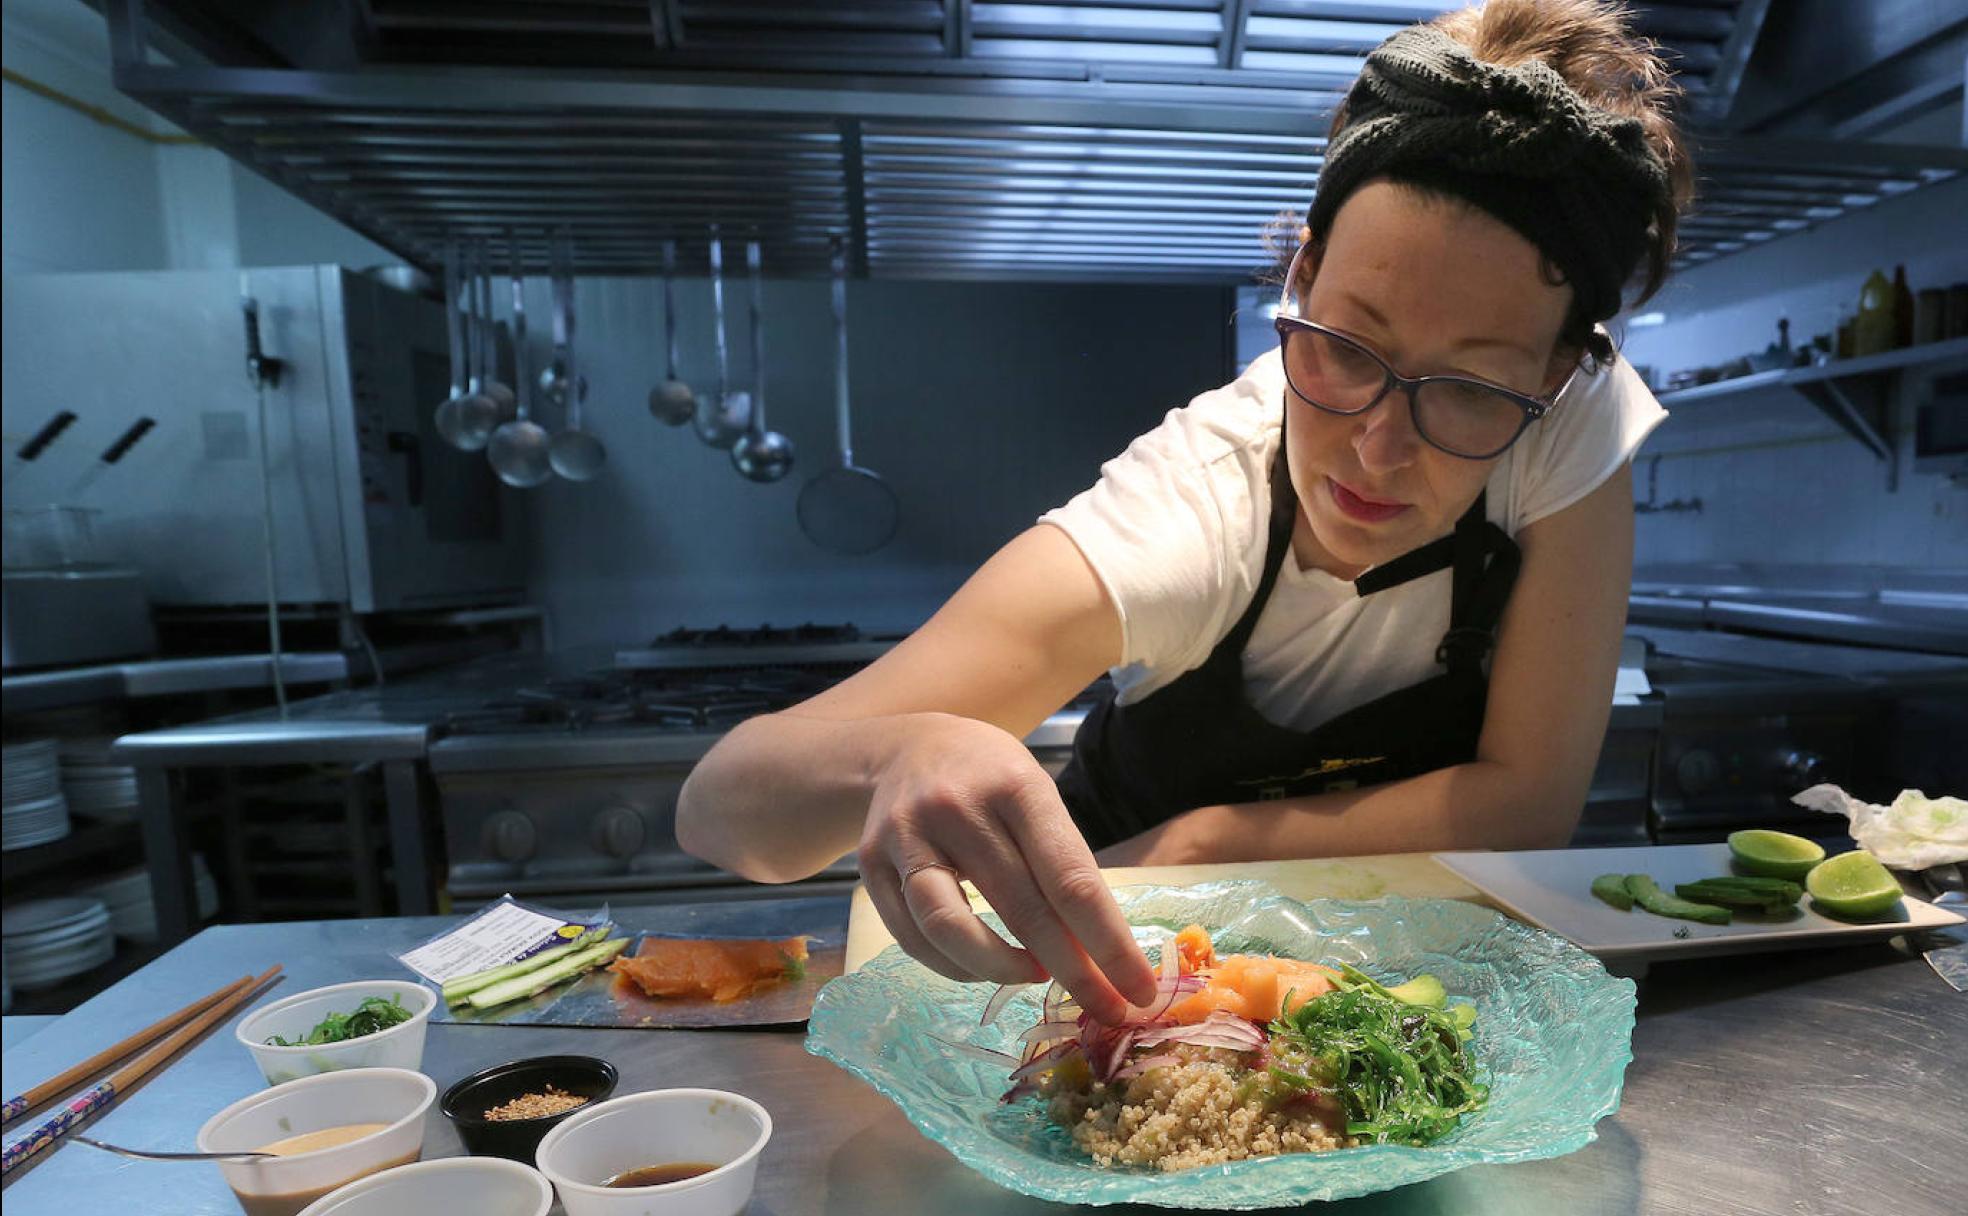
(51, 1129)
(93, 1066)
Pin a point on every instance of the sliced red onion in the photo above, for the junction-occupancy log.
(999, 999)
(1167, 990)
(1220, 1029)
(980, 1053)
(1047, 1031)
(1049, 1058)
(1145, 1063)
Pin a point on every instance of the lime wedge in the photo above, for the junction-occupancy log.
(1774, 854)
(1852, 885)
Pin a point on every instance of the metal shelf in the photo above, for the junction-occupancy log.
(1063, 140)
(1857, 394)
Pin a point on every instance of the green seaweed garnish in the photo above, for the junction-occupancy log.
(1402, 1071)
(372, 1015)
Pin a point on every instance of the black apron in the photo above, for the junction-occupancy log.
(1198, 741)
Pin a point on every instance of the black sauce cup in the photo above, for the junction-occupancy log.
(466, 1102)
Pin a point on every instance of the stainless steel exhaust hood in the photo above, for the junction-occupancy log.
(948, 139)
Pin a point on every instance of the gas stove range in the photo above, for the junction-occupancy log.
(690, 702)
(724, 646)
(562, 786)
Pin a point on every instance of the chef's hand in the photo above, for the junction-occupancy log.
(958, 798)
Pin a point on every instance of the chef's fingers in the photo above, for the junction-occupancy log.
(993, 863)
(937, 901)
(884, 884)
(1069, 881)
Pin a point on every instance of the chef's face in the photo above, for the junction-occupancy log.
(1435, 287)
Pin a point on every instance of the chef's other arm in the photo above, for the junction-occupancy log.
(918, 761)
(1551, 685)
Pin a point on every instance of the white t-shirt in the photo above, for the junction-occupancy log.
(1176, 529)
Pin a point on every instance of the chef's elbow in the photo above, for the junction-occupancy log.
(698, 831)
(704, 829)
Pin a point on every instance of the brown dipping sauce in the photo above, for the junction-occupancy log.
(657, 1175)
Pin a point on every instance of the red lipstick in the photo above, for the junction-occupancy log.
(1358, 506)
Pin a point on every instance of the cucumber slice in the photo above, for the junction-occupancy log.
(1647, 893)
(533, 982)
(1612, 889)
(458, 987)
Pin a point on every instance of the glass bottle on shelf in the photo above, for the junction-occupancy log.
(1902, 308)
(1872, 329)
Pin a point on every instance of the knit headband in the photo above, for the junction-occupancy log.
(1578, 182)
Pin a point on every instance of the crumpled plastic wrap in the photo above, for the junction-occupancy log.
(1554, 1034)
(1915, 832)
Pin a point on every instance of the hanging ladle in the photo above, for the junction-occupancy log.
(503, 399)
(575, 454)
(760, 454)
(671, 401)
(466, 418)
(722, 417)
(847, 509)
(519, 450)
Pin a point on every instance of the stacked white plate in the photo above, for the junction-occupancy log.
(127, 896)
(49, 940)
(95, 787)
(32, 809)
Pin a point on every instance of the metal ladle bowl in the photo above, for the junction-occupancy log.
(521, 451)
(671, 402)
(762, 456)
(761, 453)
(575, 454)
(467, 421)
(719, 418)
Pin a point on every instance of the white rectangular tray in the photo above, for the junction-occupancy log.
(1552, 889)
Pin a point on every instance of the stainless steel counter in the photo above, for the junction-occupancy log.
(1909, 609)
(1826, 1083)
(38, 690)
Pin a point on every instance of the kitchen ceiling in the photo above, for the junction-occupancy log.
(1068, 139)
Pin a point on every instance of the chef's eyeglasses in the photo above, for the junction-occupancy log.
(1340, 374)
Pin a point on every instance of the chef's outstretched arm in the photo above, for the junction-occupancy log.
(918, 762)
(1551, 688)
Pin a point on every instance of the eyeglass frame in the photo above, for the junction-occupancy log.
(1533, 407)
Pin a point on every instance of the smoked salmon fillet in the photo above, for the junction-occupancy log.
(723, 970)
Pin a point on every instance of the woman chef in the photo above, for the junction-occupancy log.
(1366, 598)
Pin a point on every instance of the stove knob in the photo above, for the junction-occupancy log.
(619, 831)
(1697, 770)
(1801, 769)
(510, 836)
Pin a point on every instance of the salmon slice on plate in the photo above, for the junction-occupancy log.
(723, 970)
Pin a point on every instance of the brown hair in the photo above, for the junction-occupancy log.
(1591, 45)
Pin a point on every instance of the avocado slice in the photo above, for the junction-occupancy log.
(1423, 989)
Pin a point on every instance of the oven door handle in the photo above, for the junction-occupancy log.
(411, 447)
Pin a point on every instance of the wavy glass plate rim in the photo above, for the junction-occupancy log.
(1284, 1180)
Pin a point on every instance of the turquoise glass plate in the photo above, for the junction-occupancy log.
(1554, 1034)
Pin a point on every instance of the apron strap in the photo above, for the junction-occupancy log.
(1486, 565)
(1284, 513)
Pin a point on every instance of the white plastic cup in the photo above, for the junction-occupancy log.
(282, 1186)
(401, 1046)
(480, 1186)
(660, 1127)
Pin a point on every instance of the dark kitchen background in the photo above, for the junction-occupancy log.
(1052, 217)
